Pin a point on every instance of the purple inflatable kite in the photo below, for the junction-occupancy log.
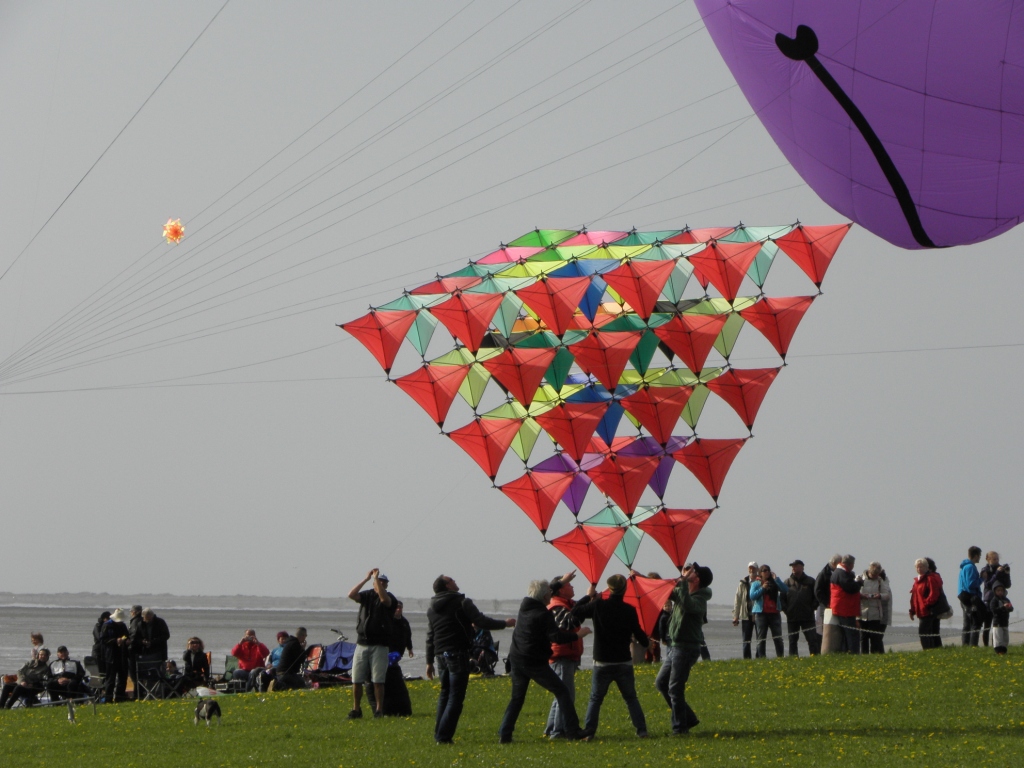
(905, 115)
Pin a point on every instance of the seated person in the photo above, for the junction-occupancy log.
(197, 666)
(260, 677)
(288, 671)
(68, 677)
(250, 653)
(32, 680)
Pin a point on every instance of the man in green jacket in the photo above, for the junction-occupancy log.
(685, 637)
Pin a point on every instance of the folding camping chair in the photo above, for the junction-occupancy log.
(151, 681)
(230, 684)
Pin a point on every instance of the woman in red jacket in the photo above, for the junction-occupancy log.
(923, 596)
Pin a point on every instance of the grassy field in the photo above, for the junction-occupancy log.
(950, 707)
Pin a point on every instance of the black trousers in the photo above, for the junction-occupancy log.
(794, 628)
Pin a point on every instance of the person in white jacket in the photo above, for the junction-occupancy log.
(875, 609)
(741, 608)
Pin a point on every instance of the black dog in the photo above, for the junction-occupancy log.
(206, 710)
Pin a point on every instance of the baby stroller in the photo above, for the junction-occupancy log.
(483, 654)
(336, 667)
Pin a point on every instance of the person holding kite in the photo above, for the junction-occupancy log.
(535, 631)
(685, 637)
(565, 657)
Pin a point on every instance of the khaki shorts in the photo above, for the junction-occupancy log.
(370, 664)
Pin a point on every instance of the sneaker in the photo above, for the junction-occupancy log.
(642, 735)
(355, 714)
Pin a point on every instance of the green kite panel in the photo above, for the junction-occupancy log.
(648, 238)
(542, 238)
(695, 405)
(726, 340)
(559, 368)
(422, 331)
(472, 388)
(526, 439)
(507, 314)
(644, 351)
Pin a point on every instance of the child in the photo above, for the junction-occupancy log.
(1000, 606)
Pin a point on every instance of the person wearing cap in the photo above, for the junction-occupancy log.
(741, 606)
(115, 642)
(616, 625)
(67, 676)
(528, 656)
(685, 636)
(451, 618)
(259, 678)
(799, 608)
(565, 657)
(373, 636)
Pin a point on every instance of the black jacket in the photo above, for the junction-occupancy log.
(823, 586)
(375, 618)
(157, 634)
(35, 674)
(136, 634)
(800, 600)
(535, 632)
(197, 666)
(615, 626)
(292, 656)
(450, 621)
(401, 636)
(113, 652)
(990, 577)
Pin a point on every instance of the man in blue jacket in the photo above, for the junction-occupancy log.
(969, 594)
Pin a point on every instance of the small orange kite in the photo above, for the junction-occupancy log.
(174, 230)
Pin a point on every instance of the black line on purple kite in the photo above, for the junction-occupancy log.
(802, 48)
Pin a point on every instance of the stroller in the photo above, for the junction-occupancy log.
(483, 654)
(336, 664)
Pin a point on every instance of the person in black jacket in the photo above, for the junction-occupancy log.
(114, 640)
(451, 619)
(373, 636)
(800, 607)
(615, 626)
(98, 656)
(823, 593)
(155, 635)
(135, 638)
(288, 672)
(535, 631)
(197, 665)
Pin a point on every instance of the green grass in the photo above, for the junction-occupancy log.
(951, 707)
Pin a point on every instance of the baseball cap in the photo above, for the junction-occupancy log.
(796, 562)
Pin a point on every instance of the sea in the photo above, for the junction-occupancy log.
(68, 619)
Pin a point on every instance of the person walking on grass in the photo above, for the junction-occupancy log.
(682, 648)
(373, 636)
(528, 656)
(452, 621)
(565, 657)
(968, 592)
(616, 625)
(741, 615)
(800, 605)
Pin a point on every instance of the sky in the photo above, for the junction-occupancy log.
(188, 419)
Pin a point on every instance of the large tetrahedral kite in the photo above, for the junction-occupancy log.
(586, 338)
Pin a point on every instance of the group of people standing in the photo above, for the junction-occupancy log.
(841, 611)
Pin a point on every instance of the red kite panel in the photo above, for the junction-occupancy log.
(555, 300)
(658, 408)
(382, 332)
(434, 387)
(675, 530)
(726, 264)
(572, 425)
(487, 441)
(468, 316)
(744, 390)
(692, 337)
(812, 248)
(520, 370)
(640, 283)
(709, 461)
(589, 547)
(777, 319)
(622, 478)
(604, 354)
(537, 494)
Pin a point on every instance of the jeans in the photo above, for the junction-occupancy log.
(566, 671)
(871, 637)
(929, 626)
(671, 684)
(522, 673)
(794, 628)
(453, 671)
(747, 627)
(622, 676)
(764, 622)
(973, 622)
(851, 635)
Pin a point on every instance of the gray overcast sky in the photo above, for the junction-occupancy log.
(296, 476)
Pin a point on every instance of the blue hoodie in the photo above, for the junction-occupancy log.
(969, 580)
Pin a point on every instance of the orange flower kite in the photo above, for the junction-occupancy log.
(174, 230)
